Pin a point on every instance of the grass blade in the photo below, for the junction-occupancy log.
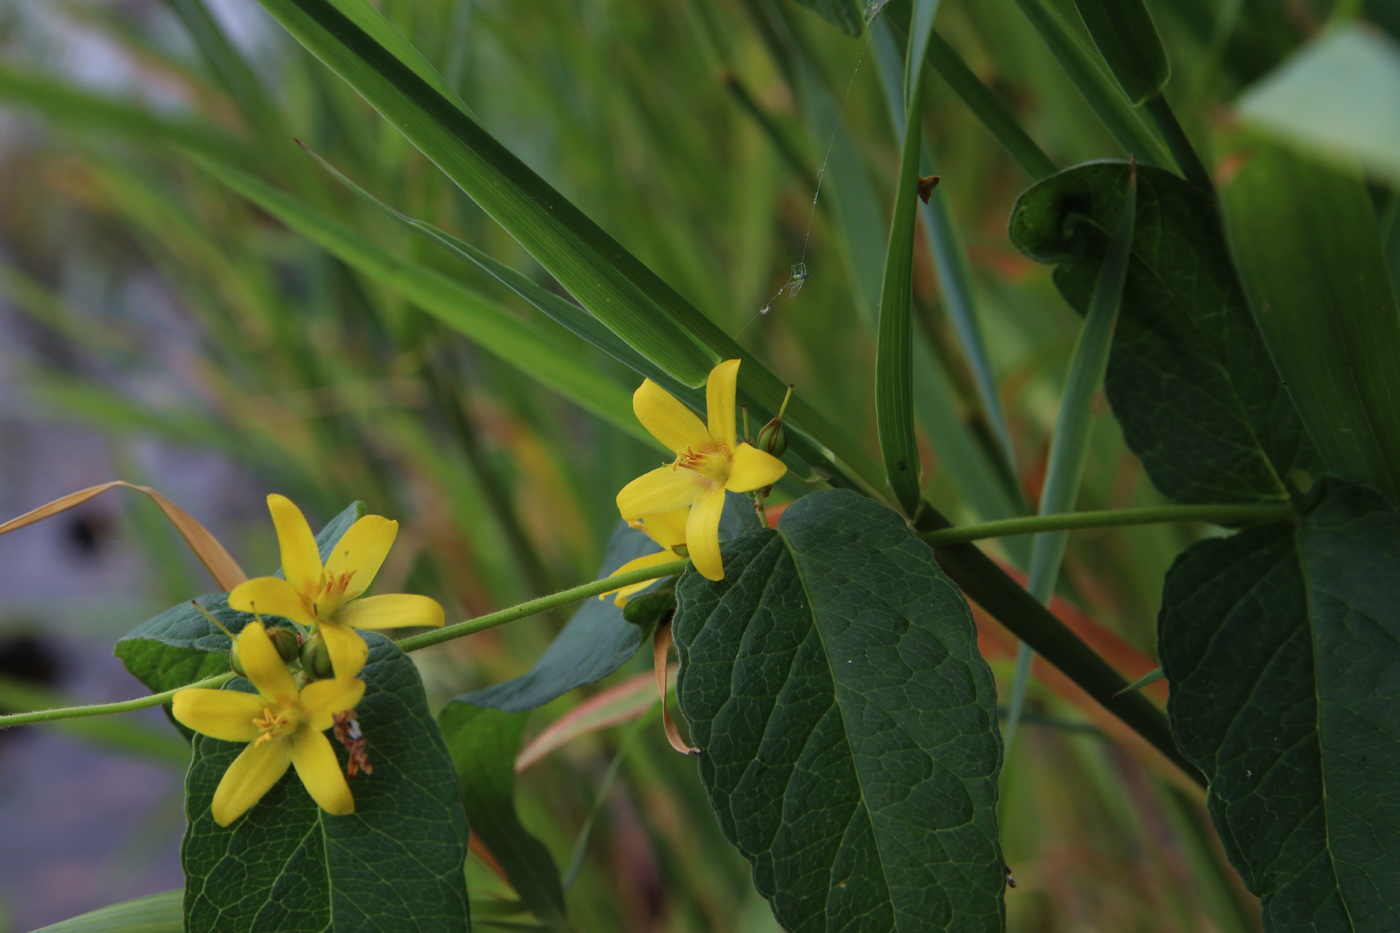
(1099, 89)
(488, 324)
(354, 40)
(1069, 446)
(894, 352)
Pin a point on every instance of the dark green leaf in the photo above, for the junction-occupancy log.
(396, 863)
(847, 723)
(845, 15)
(1280, 644)
(483, 744)
(597, 640)
(179, 646)
(1305, 238)
(1189, 378)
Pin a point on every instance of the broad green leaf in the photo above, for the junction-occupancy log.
(1308, 247)
(354, 40)
(845, 15)
(483, 744)
(155, 913)
(1335, 98)
(894, 338)
(1190, 379)
(180, 646)
(1280, 646)
(598, 640)
(457, 306)
(846, 722)
(396, 863)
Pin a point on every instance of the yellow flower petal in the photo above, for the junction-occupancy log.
(649, 560)
(318, 769)
(668, 528)
(720, 392)
(301, 560)
(702, 534)
(360, 552)
(348, 650)
(667, 419)
(251, 775)
(392, 610)
(264, 666)
(322, 699)
(664, 489)
(753, 469)
(223, 714)
(271, 596)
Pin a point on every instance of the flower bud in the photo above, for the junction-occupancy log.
(316, 658)
(233, 661)
(286, 642)
(772, 438)
(648, 609)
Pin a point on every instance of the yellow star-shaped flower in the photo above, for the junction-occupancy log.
(282, 725)
(709, 460)
(328, 597)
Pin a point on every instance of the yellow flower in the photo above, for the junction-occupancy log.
(709, 460)
(283, 727)
(667, 530)
(328, 597)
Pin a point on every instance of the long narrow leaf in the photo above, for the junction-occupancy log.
(1100, 90)
(894, 351)
(608, 280)
(1069, 446)
(488, 324)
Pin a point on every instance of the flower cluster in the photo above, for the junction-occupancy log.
(285, 721)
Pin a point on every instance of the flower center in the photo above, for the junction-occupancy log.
(272, 724)
(331, 594)
(710, 462)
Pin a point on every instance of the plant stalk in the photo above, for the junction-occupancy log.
(1109, 518)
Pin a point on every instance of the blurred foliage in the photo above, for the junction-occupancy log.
(159, 307)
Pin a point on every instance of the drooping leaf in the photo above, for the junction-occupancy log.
(396, 863)
(597, 640)
(483, 744)
(1280, 644)
(1189, 377)
(847, 723)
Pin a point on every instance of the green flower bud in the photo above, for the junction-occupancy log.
(286, 642)
(646, 610)
(233, 661)
(316, 658)
(772, 438)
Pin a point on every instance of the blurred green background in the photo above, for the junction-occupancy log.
(157, 327)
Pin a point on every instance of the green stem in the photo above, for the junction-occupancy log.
(481, 623)
(107, 709)
(543, 604)
(1109, 518)
(1182, 150)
